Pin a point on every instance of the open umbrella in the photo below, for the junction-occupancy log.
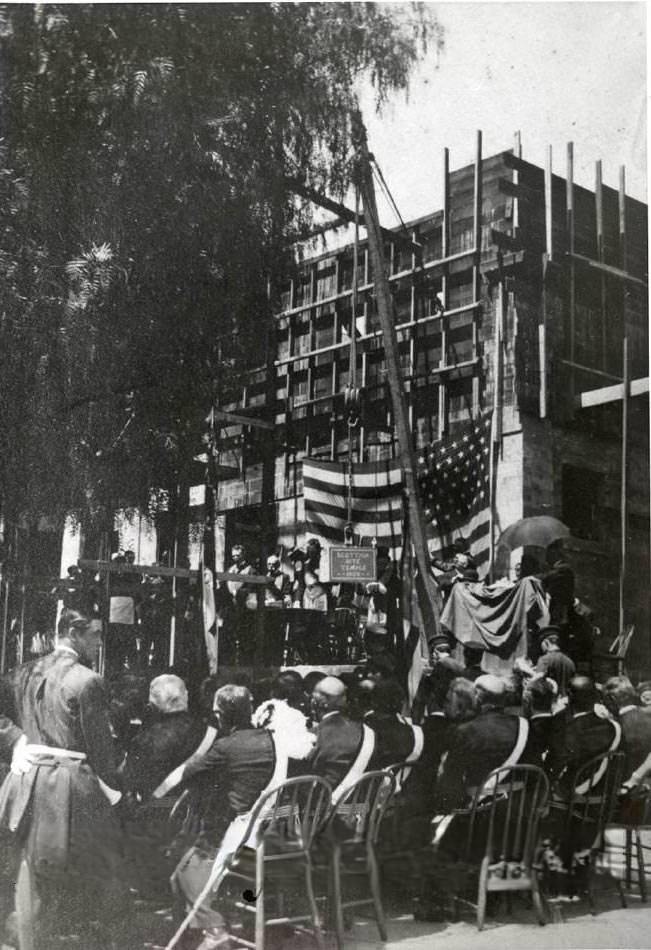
(539, 531)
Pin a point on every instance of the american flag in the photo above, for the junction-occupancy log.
(454, 482)
(376, 501)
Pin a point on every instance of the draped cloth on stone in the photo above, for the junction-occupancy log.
(496, 617)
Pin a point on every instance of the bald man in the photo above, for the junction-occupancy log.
(343, 747)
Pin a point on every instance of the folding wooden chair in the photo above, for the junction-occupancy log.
(349, 843)
(503, 824)
(632, 818)
(275, 854)
(589, 810)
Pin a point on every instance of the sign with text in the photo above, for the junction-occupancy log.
(356, 565)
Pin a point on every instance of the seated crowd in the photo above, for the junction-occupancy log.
(245, 737)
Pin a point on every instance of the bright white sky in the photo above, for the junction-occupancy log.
(557, 72)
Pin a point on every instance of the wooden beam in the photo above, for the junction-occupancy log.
(445, 291)
(569, 210)
(156, 570)
(548, 206)
(590, 369)
(347, 215)
(624, 471)
(476, 269)
(607, 269)
(385, 309)
(236, 418)
(598, 397)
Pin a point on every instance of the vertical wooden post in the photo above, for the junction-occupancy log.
(547, 257)
(5, 624)
(599, 222)
(569, 200)
(623, 251)
(624, 499)
(476, 273)
(445, 250)
(426, 597)
(549, 249)
(517, 151)
(175, 553)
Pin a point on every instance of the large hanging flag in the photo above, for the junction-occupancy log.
(376, 501)
(454, 477)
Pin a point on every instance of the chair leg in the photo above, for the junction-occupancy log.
(589, 888)
(314, 909)
(628, 850)
(259, 901)
(374, 878)
(536, 897)
(641, 877)
(336, 895)
(482, 894)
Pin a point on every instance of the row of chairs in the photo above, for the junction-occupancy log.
(309, 847)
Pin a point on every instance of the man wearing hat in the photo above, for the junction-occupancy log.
(472, 656)
(554, 663)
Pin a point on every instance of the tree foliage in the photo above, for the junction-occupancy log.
(144, 206)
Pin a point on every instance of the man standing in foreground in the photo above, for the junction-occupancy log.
(58, 798)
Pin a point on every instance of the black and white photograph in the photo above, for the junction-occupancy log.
(324, 476)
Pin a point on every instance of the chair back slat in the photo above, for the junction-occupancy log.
(358, 814)
(507, 811)
(595, 803)
(293, 813)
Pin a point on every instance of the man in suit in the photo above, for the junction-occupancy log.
(492, 739)
(622, 699)
(554, 663)
(343, 747)
(58, 800)
(558, 582)
(169, 737)
(484, 743)
(236, 769)
(546, 730)
(588, 734)
(396, 740)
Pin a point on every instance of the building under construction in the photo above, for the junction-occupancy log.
(524, 296)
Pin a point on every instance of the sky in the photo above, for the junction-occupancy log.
(555, 72)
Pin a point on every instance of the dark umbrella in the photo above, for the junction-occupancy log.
(539, 531)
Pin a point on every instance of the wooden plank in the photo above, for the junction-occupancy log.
(548, 206)
(476, 271)
(598, 397)
(238, 419)
(608, 269)
(624, 472)
(346, 214)
(517, 150)
(155, 570)
(445, 248)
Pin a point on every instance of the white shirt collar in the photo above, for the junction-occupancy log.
(333, 712)
(625, 709)
(586, 713)
(63, 647)
(546, 715)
